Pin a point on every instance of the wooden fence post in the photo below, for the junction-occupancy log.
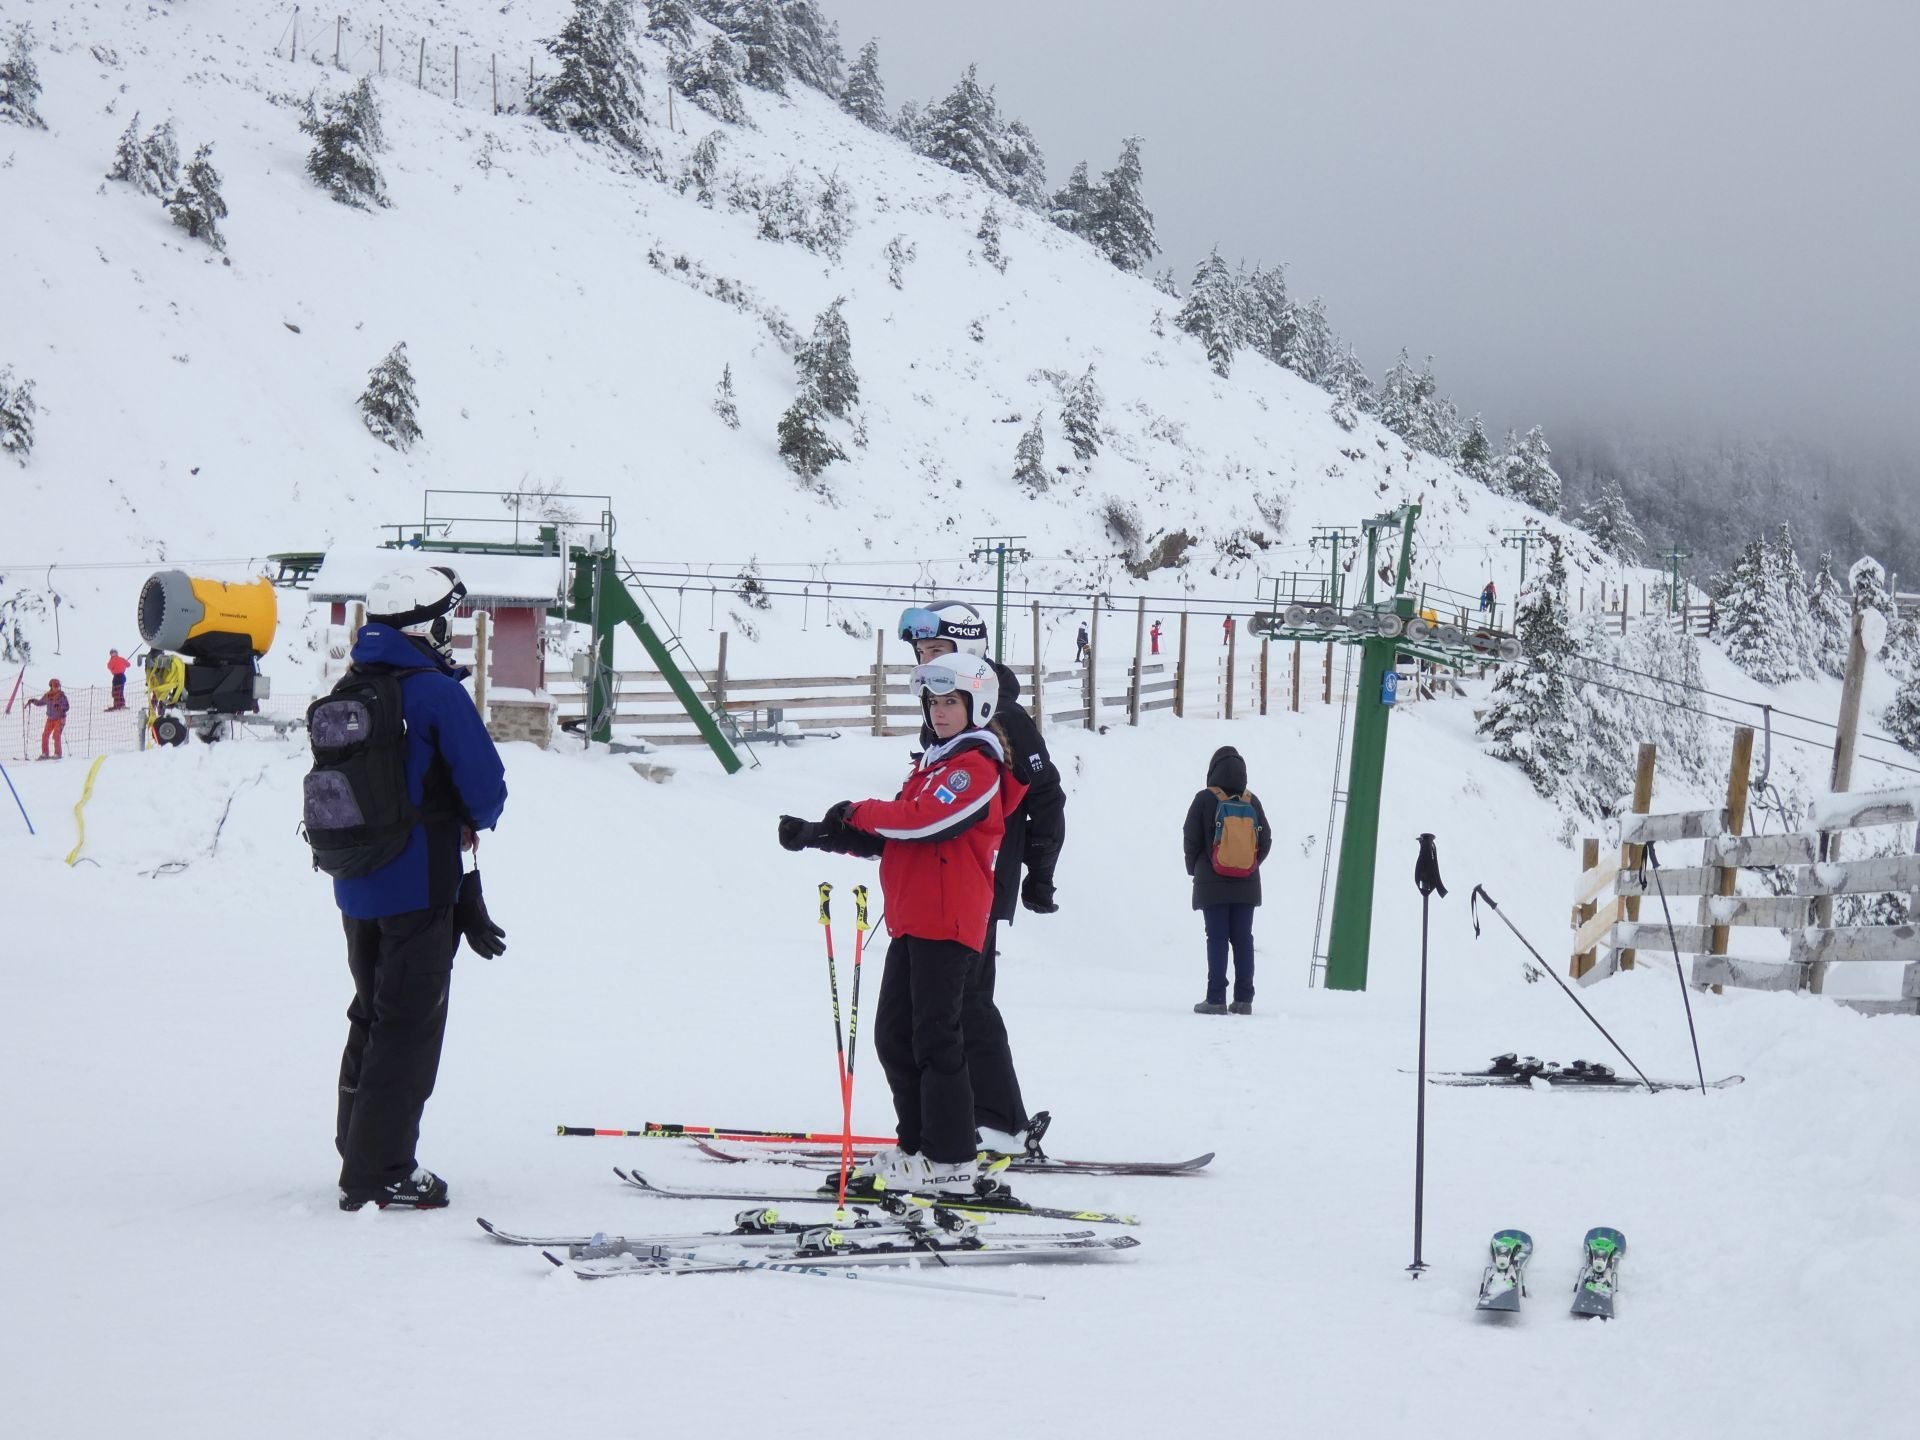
(293, 49)
(420, 75)
(338, 21)
(1630, 854)
(720, 676)
(1139, 661)
(1180, 673)
(1090, 683)
(1233, 632)
(1295, 707)
(1589, 857)
(1846, 739)
(1039, 675)
(1264, 646)
(1737, 778)
(482, 623)
(879, 681)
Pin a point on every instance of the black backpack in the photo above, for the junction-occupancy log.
(358, 815)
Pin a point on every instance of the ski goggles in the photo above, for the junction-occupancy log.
(939, 680)
(919, 623)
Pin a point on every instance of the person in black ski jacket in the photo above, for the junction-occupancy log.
(1036, 830)
(1227, 901)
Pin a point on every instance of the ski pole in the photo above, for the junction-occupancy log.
(839, 1049)
(1685, 999)
(853, 1041)
(1426, 876)
(693, 1262)
(1479, 894)
(16, 799)
(660, 1130)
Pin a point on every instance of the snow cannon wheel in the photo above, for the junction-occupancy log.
(170, 730)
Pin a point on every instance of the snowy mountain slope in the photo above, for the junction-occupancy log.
(185, 415)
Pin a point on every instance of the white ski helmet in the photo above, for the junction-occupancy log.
(417, 600)
(953, 620)
(971, 675)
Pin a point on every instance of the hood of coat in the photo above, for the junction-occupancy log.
(379, 644)
(1227, 770)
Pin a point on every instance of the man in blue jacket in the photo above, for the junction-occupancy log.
(404, 920)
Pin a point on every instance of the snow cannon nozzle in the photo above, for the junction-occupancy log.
(1426, 869)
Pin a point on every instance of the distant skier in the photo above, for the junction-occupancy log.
(936, 843)
(55, 703)
(395, 794)
(1226, 630)
(1487, 598)
(1153, 637)
(1226, 839)
(117, 668)
(1080, 645)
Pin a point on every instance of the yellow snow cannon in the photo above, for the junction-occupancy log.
(208, 619)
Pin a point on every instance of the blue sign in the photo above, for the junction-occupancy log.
(1389, 687)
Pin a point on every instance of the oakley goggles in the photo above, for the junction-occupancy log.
(919, 623)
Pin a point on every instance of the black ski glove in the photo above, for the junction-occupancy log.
(488, 940)
(1036, 893)
(797, 834)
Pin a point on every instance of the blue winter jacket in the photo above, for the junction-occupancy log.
(441, 725)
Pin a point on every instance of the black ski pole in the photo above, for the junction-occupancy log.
(1426, 875)
(1674, 940)
(1479, 894)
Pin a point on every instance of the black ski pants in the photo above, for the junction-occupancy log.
(996, 1088)
(917, 1035)
(401, 966)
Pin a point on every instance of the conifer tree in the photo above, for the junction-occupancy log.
(989, 237)
(710, 78)
(724, 404)
(346, 136)
(196, 206)
(1754, 627)
(387, 404)
(671, 21)
(1606, 517)
(1902, 718)
(595, 90)
(1790, 582)
(1351, 391)
(760, 29)
(150, 164)
(1166, 284)
(1119, 224)
(1436, 424)
(963, 132)
(1073, 203)
(1023, 165)
(913, 126)
(1211, 313)
(1080, 416)
(804, 444)
(1830, 609)
(20, 81)
(1267, 319)
(900, 252)
(1476, 452)
(1397, 405)
(827, 376)
(1531, 720)
(866, 96)
(814, 56)
(16, 416)
(1526, 472)
(1030, 459)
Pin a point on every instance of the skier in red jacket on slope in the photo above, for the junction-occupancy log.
(936, 841)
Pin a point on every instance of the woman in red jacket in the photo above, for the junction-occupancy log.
(937, 841)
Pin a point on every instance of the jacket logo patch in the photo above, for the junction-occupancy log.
(1035, 762)
(945, 796)
(959, 781)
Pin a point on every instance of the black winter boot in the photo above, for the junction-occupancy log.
(422, 1190)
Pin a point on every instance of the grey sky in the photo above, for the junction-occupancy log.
(1706, 210)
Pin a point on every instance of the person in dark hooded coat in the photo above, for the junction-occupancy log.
(1227, 901)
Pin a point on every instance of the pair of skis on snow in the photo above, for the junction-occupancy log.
(1593, 1294)
(1523, 1070)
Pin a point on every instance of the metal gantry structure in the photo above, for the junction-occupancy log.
(1000, 549)
(1384, 627)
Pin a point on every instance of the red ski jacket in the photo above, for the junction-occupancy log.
(942, 836)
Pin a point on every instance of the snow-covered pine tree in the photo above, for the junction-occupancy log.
(595, 90)
(1606, 517)
(671, 21)
(804, 444)
(20, 81)
(963, 132)
(1830, 610)
(1073, 203)
(1347, 383)
(1080, 416)
(1397, 404)
(1030, 458)
(710, 78)
(1211, 312)
(759, 27)
(913, 126)
(1120, 225)
(827, 377)
(1476, 451)
(1526, 472)
(1796, 609)
(1610, 722)
(702, 167)
(1266, 319)
(346, 136)
(1166, 284)
(1023, 165)
(1754, 627)
(1902, 718)
(1436, 424)
(1531, 720)
(1308, 350)
(16, 416)
(866, 96)
(388, 403)
(814, 56)
(196, 206)
(900, 252)
(150, 164)
(724, 404)
(989, 237)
